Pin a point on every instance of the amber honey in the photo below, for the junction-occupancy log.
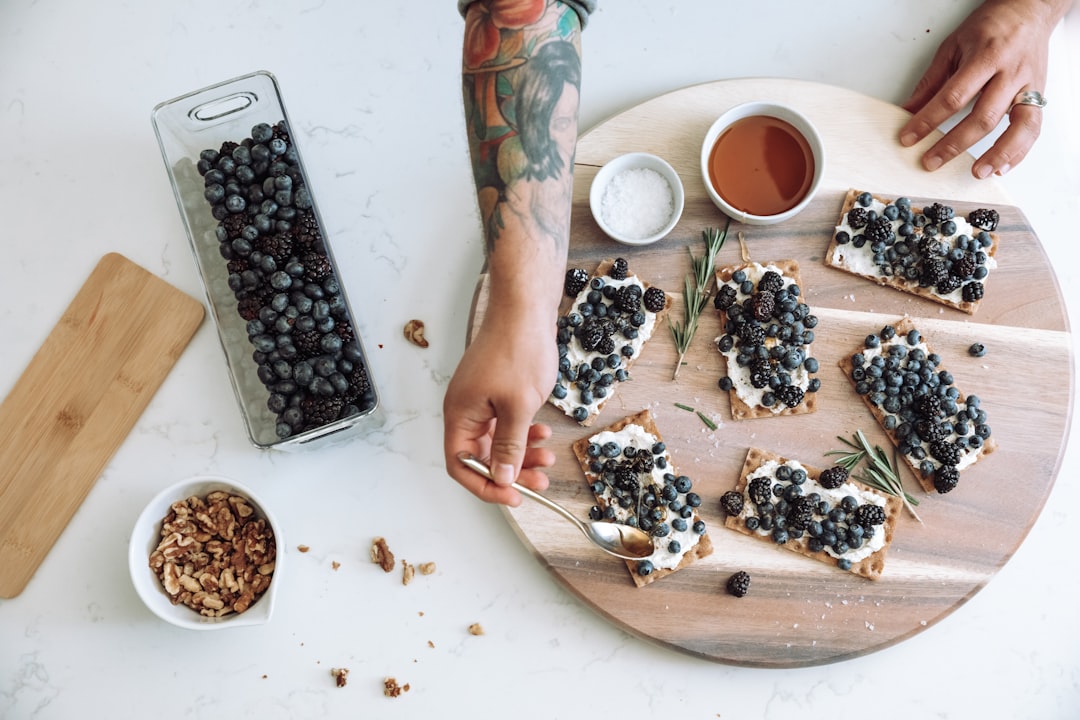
(761, 165)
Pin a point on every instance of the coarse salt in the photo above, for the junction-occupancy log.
(637, 203)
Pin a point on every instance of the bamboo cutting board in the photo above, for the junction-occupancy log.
(800, 612)
(78, 399)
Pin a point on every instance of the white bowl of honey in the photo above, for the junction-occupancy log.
(762, 162)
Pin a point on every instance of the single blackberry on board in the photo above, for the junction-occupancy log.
(739, 584)
(833, 477)
(732, 502)
(654, 299)
(984, 219)
(575, 282)
(619, 268)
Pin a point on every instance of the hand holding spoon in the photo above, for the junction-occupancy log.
(622, 541)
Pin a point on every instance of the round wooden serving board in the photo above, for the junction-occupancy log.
(801, 612)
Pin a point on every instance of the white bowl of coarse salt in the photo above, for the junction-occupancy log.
(636, 198)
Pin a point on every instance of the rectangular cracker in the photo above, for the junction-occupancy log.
(567, 405)
(838, 256)
(702, 548)
(905, 326)
(872, 566)
(740, 408)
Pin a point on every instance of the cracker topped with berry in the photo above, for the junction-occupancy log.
(612, 316)
(630, 473)
(822, 514)
(767, 333)
(927, 251)
(937, 430)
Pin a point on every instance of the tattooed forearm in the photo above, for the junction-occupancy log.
(521, 82)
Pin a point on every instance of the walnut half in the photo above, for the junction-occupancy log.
(414, 333)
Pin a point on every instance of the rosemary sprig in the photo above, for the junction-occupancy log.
(879, 472)
(697, 291)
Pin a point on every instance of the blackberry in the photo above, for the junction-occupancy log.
(945, 452)
(760, 372)
(762, 305)
(963, 267)
(654, 300)
(973, 291)
(771, 281)
(751, 334)
(732, 502)
(929, 430)
(760, 490)
(592, 332)
(933, 271)
(948, 285)
(929, 406)
(575, 282)
(833, 477)
(930, 246)
(306, 230)
(938, 213)
(279, 247)
(316, 267)
(946, 478)
(800, 513)
(319, 411)
(869, 514)
(234, 224)
(628, 298)
(739, 584)
(857, 218)
(725, 297)
(307, 343)
(984, 219)
(791, 395)
(248, 308)
(879, 230)
(619, 268)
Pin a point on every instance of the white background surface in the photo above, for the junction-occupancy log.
(374, 93)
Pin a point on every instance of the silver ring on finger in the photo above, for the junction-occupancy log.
(1029, 97)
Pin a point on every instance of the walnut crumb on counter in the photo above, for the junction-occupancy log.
(340, 676)
(476, 629)
(392, 689)
(381, 555)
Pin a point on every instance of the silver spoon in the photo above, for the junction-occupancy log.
(622, 541)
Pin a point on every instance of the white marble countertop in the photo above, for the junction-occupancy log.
(374, 95)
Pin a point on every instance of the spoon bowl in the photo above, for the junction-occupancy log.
(622, 541)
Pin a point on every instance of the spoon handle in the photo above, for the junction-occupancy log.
(477, 465)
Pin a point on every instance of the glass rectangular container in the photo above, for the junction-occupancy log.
(295, 361)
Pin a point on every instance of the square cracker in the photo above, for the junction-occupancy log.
(903, 327)
(740, 409)
(704, 545)
(602, 270)
(872, 566)
(834, 257)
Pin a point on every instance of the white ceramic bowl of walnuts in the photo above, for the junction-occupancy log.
(205, 554)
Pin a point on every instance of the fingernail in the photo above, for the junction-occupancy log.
(503, 474)
(932, 163)
(983, 171)
(908, 139)
(1004, 169)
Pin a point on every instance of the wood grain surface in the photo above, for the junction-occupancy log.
(78, 399)
(800, 612)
